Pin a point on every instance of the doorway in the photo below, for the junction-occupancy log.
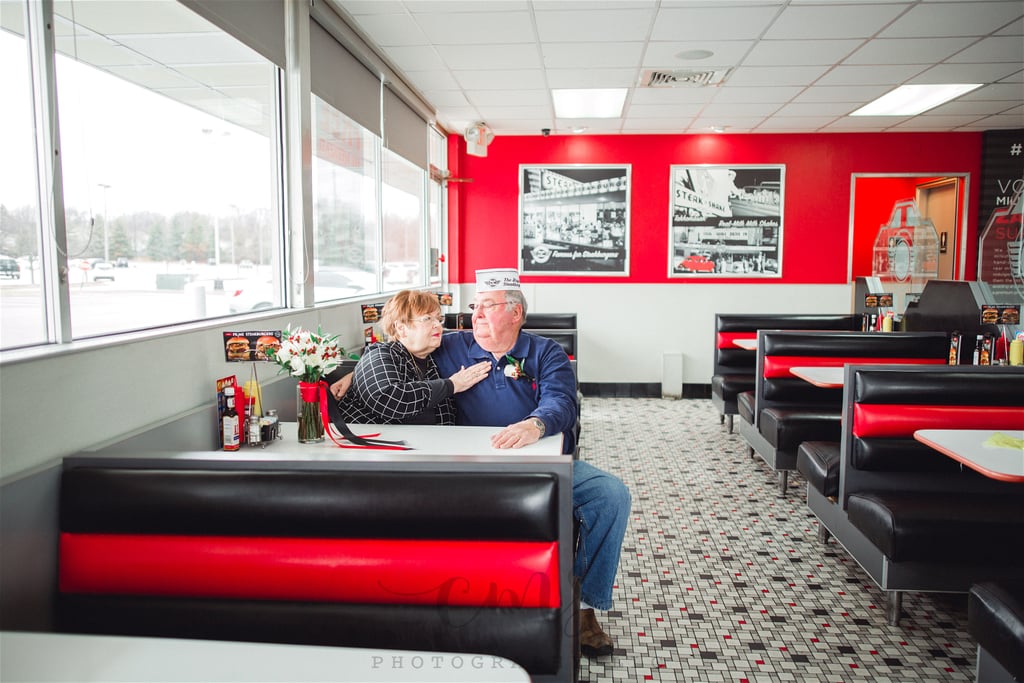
(937, 200)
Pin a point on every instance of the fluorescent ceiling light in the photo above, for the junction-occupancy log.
(908, 100)
(590, 103)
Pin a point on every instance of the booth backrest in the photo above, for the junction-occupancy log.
(550, 321)
(559, 327)
(731, 359)
(455, 561)
(780, 350)
(458, 321)
(883, 406)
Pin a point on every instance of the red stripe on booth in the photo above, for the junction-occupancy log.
(778, 366)
(381, 571)
(871, 420)
(725, 340)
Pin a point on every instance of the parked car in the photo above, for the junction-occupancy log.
(259, 294)
(697, 263)
(401, 272)
(102, 270)
(9, 267)
(121, 262)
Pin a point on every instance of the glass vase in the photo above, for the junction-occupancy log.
(307, 413)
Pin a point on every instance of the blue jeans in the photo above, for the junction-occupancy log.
(601, 503)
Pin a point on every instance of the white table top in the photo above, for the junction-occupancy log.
(968, 447)
(51, 657)
(748, 344)
(829, 376)
(428, 442)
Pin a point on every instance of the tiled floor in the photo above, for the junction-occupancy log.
(722, 580)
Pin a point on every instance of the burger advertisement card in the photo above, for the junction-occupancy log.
(249, 346)
(371, 312)
(989, 315)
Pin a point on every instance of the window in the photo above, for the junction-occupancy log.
(402, 189)
(22, 314)
(345, 226)
(438, 156)
(169, 168)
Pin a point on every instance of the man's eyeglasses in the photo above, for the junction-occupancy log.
(429, 320)
(483, 307)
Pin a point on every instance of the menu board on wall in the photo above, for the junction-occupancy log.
(726, 221)
(574, 220)
(1001, 219)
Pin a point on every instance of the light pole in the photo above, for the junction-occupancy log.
(106, 230)
(213, 136)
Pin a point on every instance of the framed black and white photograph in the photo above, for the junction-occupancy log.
(726, 221)
(574, 220)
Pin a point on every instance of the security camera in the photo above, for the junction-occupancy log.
(545, 132)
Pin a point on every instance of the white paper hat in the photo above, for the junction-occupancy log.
(497, 279)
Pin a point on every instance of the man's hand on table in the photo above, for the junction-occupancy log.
(517, 435)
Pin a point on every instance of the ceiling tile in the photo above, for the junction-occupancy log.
(713, 23)
(800, 52)
(447, 99)
(966, 73)
(662, 111)
(509, 98)
(1001, 49)
(591, 78)
(929, 20)
(586, 55)
(417, 58)
(612, 25)
(490, 56)
(809, 109)
(390, 30)
(907, 50)
(434, 80)
(870, 75)
(846, 93)
(521, 79)
(833, 21)
(775, 75)
(477, 28)
(739, 94)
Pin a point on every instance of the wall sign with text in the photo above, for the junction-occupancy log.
(574, 220)
(726, 221)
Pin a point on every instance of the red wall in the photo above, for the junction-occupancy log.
(484, 213)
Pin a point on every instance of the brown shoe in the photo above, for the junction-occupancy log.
(594, 642)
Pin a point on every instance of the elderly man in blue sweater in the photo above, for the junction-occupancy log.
(531, 391)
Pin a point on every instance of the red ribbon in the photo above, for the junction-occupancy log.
(329, 425)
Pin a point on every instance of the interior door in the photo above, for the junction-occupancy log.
(938, 201)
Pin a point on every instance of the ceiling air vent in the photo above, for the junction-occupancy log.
(667, 78)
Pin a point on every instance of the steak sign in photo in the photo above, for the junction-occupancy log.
(726, 221)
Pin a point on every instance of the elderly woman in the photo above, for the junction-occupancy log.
(397, 382)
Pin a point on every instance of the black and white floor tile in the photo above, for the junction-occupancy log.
(721, 580)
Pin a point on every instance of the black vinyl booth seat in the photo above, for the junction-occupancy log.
(438, 561)
(733, 371)
(995, 619)
(788, 410)
(913, 518)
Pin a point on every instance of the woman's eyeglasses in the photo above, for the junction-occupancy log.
(483, 307)
(429, 320)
